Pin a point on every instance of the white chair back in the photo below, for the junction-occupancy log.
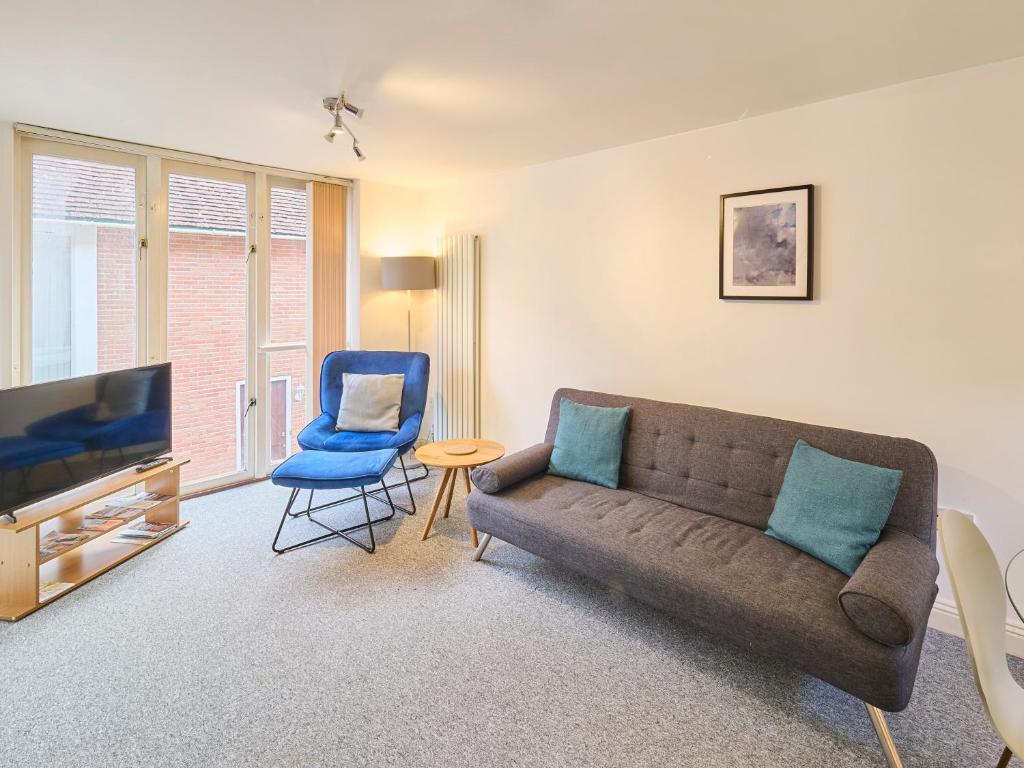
(981, 598)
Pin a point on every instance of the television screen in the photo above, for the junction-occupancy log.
(59, 434)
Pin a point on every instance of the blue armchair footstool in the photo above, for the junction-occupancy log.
(313, 470)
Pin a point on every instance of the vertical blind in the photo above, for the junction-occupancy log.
(328, 231)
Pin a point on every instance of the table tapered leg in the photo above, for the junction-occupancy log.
(451, 490)
(449, 476)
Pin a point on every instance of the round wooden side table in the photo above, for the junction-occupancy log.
(452, 456)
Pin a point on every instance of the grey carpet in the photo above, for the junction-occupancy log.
(209, 650)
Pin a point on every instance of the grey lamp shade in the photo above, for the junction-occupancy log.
(407, 273)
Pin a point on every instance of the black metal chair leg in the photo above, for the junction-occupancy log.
(287, 512)
(334, 532)
(411, 510)
(407, 483)
(343, 532)
(369, 525)
(374, 494)
(408, 487)
(390, 502)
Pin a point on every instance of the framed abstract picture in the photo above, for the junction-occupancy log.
(766, 244)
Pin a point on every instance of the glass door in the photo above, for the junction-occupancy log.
(84, 251)
(284, 350)
(210, 235)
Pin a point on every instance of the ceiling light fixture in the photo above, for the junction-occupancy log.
(338, 127)
(337, 106)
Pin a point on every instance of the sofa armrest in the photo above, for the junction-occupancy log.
(512, 469)
(890, 595)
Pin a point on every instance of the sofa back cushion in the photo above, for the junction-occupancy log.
(588, 443)
(831, 508)
(731, 465)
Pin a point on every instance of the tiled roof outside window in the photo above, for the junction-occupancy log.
(82, 190)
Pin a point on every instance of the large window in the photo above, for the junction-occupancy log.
(207, 314)
(138, 256)
(84, 246)
(289, 272)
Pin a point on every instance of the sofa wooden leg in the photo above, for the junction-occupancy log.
(483, 545)
(892, 757)
(1005, 759)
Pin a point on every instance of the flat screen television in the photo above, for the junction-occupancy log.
(60, 434)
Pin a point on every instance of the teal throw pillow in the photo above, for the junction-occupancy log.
(832, 508)
(588, 443)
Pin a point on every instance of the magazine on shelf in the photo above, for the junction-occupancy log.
(145, 500)
(99, 525)
(143, 530)
(56, 542)
(128, 506)
(49, 589)
(114, 512)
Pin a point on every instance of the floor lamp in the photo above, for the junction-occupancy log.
(408, 273)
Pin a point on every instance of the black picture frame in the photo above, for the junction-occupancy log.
(806, 290)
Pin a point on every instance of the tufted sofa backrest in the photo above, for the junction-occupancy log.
(731, 465)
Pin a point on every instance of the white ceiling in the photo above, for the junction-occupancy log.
(458, 87)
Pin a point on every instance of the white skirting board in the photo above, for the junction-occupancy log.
(946, 618)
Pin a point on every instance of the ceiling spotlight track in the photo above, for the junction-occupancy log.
(339, 106)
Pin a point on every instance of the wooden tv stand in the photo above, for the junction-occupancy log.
(21, 568)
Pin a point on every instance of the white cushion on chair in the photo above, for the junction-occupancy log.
(370, 402)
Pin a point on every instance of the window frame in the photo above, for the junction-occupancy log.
(151, 164)
(30, 147)
(267, 346)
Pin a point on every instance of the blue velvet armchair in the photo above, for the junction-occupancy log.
(321, 435)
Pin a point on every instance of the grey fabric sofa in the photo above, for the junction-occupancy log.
(685, 533)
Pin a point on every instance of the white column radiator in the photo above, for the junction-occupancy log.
(457, 363)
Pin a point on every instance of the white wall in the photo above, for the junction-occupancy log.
(391, 223)
(600, 271)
